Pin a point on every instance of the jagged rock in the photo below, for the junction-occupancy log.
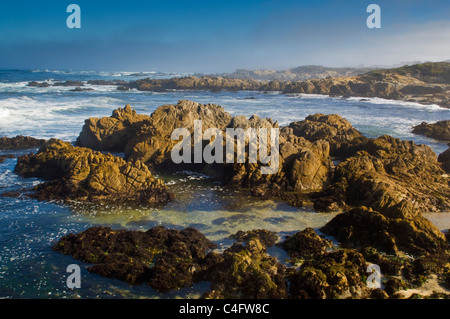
(444, 158)
(362, 227)
(397, 178)
(80, 89)
(69, 83)
(341, 135)
(439, 130)
(76, 173)
(164, 259)
(38, 84)
(197, 83)
(333, 275)
(152, 144)
(305, 244)
(4, 157)
(245, 272)
(106, 82)
(111, 133)
(267, 238)
(412, 83)
(20, 142)
(422, 89)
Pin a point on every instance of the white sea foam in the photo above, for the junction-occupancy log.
(377, 100)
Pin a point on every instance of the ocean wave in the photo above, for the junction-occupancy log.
(378, 100)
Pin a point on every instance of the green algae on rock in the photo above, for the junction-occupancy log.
(163, 258)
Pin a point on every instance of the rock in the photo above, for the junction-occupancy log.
(397, 178)
(106, 82)
(4, 157)
(334, 275)
(399, 84)
(390, 265)
(332, 128)
(422, 89)
(439, 130)
(111, 133)
(76, 173)
(393, 285)
(79, 89)
(267, 238)
(444, 158)
(153, 144)
(20, 142)
(69, 83)
(303, 167)
(245, 272)
(362, 227)
(198, 83)
(306, 244)
(38, 84)
(164, 259)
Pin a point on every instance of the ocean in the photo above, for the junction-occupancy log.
(28, 228)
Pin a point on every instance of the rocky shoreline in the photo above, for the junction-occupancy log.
(427, 83)
(383, 186)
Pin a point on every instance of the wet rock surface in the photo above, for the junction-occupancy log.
(397, 178)
(246, 272)
(76, 173)
(305, 244)
(162, 258)
(362, 227)
(439, 130)
(20, 142)
(169, 260)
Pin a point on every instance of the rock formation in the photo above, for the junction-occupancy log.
(164, 259)
(76, 173)
(439, 130)
(20, 142)
(444, 158)
(111, 133)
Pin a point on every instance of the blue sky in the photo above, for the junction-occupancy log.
(220, 35)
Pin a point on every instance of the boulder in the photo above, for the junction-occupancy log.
(363, 227)
(341, 135)
(165, 259)
(245, 272)
(111, 133)
(305, 244)
(20, 142)
(444, 158)
(38, 84)
(267, 238)
(422, 89)
(152, 143)
(69, 83)
(439, 130)
(397, 178)
(4, 157)
(76, 173)
(333, 275)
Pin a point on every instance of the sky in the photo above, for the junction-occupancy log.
(220, 35)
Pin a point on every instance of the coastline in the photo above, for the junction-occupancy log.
(225, 223)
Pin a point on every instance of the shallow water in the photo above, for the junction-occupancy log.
(28, 228)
